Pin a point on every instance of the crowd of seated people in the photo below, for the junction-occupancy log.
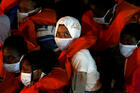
(69, 46)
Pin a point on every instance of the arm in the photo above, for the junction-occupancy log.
(55, 80)
(78, 82)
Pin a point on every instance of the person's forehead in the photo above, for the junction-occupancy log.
(128, 38)
(26, 4)
(26, 62)
(10, 52)
(62, 27)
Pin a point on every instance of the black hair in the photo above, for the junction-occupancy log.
(44, 60)
(16, 43)
(102, 4)
(132, 29)
(135, 2)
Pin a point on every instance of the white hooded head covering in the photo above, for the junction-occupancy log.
(74, 28)
(72, 25)
(4, 28)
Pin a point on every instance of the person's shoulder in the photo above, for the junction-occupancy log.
(88, 12)
(87, 16)
(83, 56)
(49, 10)
(83, 52)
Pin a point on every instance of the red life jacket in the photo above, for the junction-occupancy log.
(9, 83)
(95, 36)
(6, 5)
(132, 74)
(27, 29)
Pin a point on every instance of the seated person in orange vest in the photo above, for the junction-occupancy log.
(84, 73)
(129, 48)
(35, 66)
(13, 51)
(101, 27)
(4, 33)
(36, 22)
(102, 24)
(106, 20)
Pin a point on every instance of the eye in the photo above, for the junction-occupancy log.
(66, 34)
(57, 34)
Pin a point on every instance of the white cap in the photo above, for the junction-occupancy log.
(72, 24)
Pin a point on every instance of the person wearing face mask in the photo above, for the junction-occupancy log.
(129, 48)
(84, 72)
(14, 49)
(36, 23)
(13, 52)
(35, 66)
(99, 36)
(102, 24)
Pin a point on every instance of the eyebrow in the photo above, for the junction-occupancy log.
(61, 25)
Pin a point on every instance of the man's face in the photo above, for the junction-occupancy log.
(25, 6)
(10, 56)
(63, 32)
(27, 68)
(128, 40)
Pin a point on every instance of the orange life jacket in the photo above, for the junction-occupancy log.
(27, 29)
(9, 83)
(6, 5)
(131, 73)
(95, 36)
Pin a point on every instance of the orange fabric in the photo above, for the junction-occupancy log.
(10, 83)
(132, 64)
(102, 37)
(6, 5)
(134, 87)
(136, 81)
(27, 29)
(55, 80)
(34, 90)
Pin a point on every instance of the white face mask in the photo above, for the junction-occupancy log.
(127, 50)
(63, 43)
(26, 79)
(102, 19)
(24, 15)
(13, 67)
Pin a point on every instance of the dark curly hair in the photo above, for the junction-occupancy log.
(132, 29)
(16, 43)
(44, 60)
